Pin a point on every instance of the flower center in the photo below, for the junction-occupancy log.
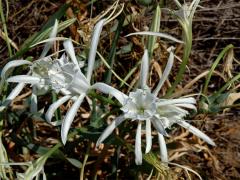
(140, 105)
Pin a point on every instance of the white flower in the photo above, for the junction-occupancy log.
(140, 105)
(37, 70)
(66, 76)
(144, 106)
(185, 12)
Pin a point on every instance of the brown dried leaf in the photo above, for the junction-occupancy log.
(231, 99)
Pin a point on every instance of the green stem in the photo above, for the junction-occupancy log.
(57, 112)
(85, 161)
(187, 50)
(102, 99)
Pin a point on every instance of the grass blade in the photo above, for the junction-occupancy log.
(154, 28)
(44, 32)
(216, 62)
(113, 49)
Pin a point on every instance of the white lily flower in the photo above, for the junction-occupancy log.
(144, 106)
(37, 70)
(185, 12)
(66, 76)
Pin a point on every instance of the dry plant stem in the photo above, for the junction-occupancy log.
(4, 37)
(5, 29)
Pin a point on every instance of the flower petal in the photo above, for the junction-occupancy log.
(192, 8)
(10, 65)
(163, 148)
(104, 88)
(159, 126)
(144, 70)
(12, 95)
(13, 64)
(69, 118)
(26, 79)
(164, 102)
(48, 45)
(162, 35)
(70, 51)
(93, 49)
(148, 136)
(189, 106)
(196, 132)
(79, 83)
(53, 107)
(138, 148)
(109, 129)
(165, 73)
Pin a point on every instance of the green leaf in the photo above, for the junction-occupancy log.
(154, 28)
(154, 161)
(112, 54)
(45, 31)
(216, 62)
(43, 150)
(75, 162)
(38, 165)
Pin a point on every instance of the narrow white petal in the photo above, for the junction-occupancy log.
(165, 73)
(163, 148)
(10, 65)
(104, 88)
(162, 35)
(25, 79)
(196, 132)
(53, 107)
(138, 148)
(13, 64)
(164, 102)
(178, 3)
(34, 106)
(70, 51)
(48, 45)
(189, 106)
(93, 48)
(64, 91)
(193, 8)
(144, 70)
(109, 129)
(69, 118)
(148, 136)
(12, 95)
(159, 126)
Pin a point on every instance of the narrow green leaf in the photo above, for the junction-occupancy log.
(216, 62)
(154, 28)
(44, 32)
(75, 162)
(38, 165)
(112, 54)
